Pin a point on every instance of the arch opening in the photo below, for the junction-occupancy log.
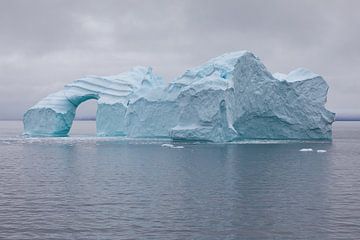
(84, 123)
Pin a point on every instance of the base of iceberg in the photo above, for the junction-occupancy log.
(229, 98)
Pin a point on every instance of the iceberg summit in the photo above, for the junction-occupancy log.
(229, 98)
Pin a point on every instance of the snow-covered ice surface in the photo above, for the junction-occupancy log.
(229, 98)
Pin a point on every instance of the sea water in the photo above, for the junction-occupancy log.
(87, 187)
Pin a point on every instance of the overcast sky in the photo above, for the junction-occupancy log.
(46, 44)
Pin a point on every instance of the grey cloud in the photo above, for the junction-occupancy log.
(45, 44)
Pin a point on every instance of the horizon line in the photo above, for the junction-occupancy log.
(337, 118)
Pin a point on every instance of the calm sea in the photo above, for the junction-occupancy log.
(83, 187)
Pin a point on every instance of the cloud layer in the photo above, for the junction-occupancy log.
(46, 44)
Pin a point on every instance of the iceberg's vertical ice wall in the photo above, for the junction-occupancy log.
(231, 97)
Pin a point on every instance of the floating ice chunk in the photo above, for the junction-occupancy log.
(167, 145)
(306, 150)
(171, 146)
(321, 151)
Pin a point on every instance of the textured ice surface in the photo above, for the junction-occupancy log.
(230, 97)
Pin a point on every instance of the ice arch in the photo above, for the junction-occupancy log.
(54, 114)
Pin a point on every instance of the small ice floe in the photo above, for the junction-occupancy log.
(306, 150)
(321, 151)
(168, 145)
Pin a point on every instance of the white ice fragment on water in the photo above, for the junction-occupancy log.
(171, 146)
(306, 150)
(321, 151)
(167, 145)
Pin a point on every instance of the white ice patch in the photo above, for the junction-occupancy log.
(306, 150)
(321, 151)
(171, 146)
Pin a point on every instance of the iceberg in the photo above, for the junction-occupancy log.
(229, 98)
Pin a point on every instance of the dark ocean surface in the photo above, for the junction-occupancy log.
(84, 187)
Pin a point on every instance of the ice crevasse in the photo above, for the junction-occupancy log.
(231, 97)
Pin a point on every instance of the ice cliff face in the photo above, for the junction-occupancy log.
(231, 97)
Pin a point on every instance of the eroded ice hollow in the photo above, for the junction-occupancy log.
(230, 97)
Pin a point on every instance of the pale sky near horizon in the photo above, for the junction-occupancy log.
(46, 44)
